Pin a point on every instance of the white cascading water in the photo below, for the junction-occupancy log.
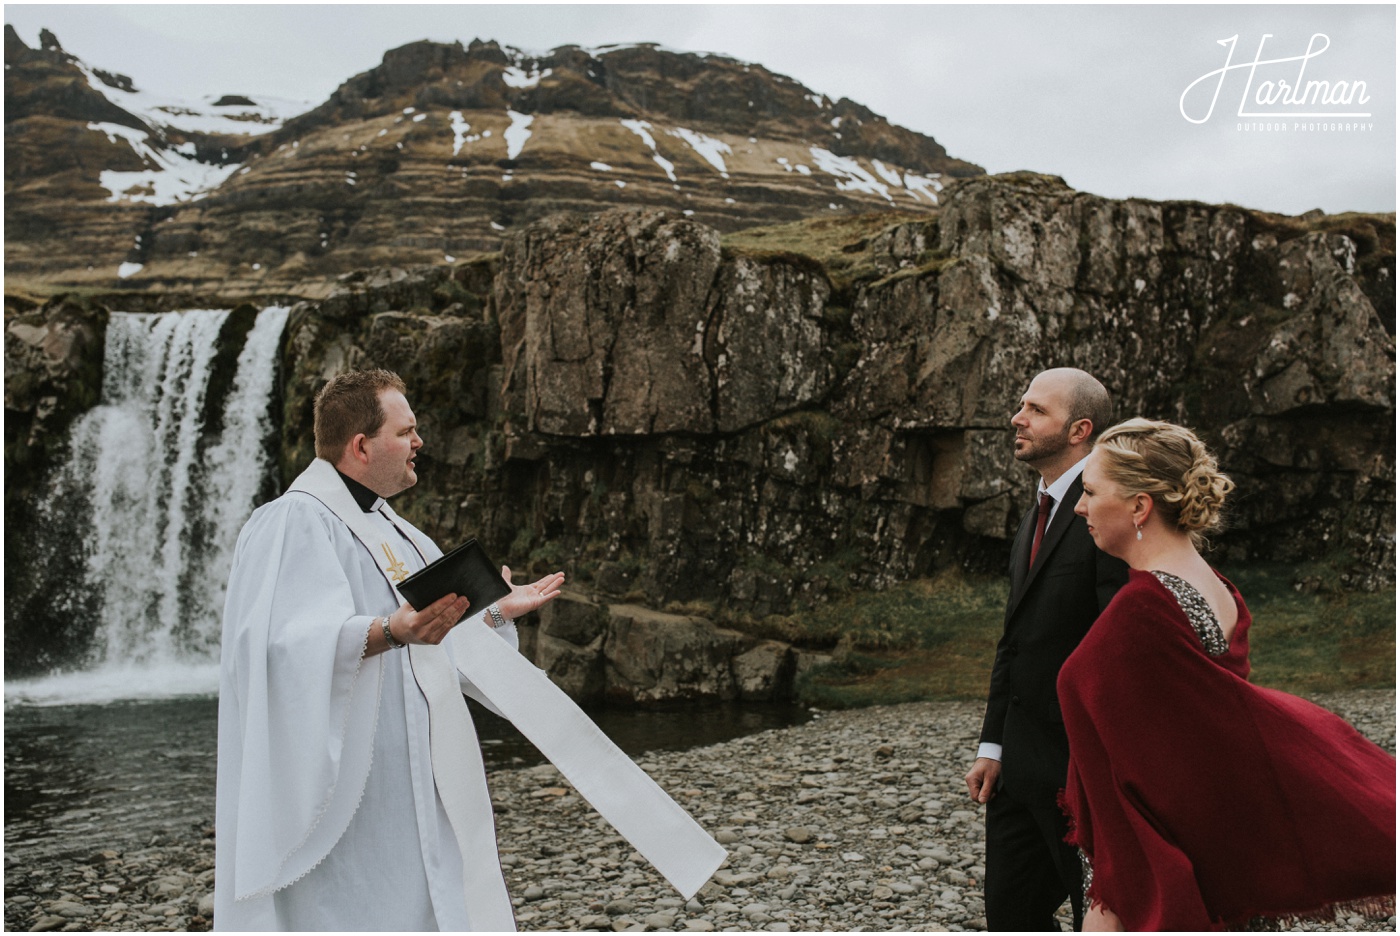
(238, 463)
(165, 503)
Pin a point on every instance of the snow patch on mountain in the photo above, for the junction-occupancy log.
(643, 129)
(264, 115)
(175, 175)
(460, 129)
(517, 133)
(851, 175)
(923, 185)
(708, 148)
(889, 175)
(517, 77)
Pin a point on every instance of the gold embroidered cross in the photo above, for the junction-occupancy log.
(396, 569)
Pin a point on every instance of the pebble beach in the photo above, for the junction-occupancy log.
(856, 820)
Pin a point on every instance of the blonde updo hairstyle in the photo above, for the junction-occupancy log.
(1173, 467)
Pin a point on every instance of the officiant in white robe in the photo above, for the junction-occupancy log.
(351, 793)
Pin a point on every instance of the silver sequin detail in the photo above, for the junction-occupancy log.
(1198, 612)
(1086, 872)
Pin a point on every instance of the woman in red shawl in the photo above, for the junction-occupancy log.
(1199, 801)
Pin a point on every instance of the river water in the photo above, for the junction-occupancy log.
(83, 778)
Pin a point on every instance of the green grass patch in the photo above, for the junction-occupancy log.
(1325, 641)
(923, 614)
(918, 640)
(1370, 231)
(838, 244)
(935, 639)
(932, 262)
(885, 678)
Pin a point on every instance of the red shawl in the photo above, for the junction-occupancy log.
(1201, 800)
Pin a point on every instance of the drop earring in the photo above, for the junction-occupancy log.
(1139, 529)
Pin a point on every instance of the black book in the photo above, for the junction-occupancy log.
(466, 570)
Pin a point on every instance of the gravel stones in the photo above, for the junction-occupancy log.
(165, 888)
(857, 820)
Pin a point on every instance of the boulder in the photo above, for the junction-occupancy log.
(578, 670)
(652, 656)
(573, 617)
(764, 673)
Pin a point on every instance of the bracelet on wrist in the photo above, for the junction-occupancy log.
(389, 635)
(497, 618)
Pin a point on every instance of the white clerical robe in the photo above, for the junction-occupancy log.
(351, 791)
(327, 815)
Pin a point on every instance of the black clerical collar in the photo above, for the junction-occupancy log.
(367, 499)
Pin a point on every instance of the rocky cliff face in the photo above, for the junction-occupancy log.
(709, 425)
(53, 373)
(693, 424)
(434, 154)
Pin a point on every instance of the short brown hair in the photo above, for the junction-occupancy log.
(348, 406)
(1089, 400)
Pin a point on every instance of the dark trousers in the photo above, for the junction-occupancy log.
(1030, 869)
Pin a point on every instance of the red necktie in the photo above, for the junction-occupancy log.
(1041, 519)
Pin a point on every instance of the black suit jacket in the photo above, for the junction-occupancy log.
(1051, 607)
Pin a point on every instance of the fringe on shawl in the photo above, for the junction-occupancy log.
(1062, 801)
(1374, 909)
(1072, 839)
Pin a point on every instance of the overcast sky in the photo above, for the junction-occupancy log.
(1090, 93)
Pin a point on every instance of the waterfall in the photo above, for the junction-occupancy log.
(158, 483)
(240, 463)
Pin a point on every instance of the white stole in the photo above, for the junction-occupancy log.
(654, 824)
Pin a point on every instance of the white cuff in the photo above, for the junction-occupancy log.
(988, 749)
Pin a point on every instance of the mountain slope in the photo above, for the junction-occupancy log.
(426, 158)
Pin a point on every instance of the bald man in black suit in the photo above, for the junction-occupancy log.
(1059, 583)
